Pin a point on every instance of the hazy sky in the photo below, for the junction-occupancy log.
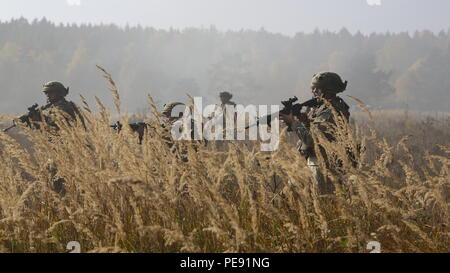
(285, 16)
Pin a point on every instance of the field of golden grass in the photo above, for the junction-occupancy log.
(124, 197)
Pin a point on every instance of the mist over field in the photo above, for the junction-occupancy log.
(394, 53)
(386, 71)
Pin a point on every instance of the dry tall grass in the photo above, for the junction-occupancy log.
(125, 197)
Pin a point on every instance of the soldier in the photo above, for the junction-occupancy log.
(169, 120)
(225, 98)
(56, 93)
(325, 86)
(167, 112)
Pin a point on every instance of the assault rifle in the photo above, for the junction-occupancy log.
(134, 126)
(138, 127)
(32, 115)
(289, 106)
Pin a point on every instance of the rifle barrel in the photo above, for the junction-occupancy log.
(9, 128)
(267, 119)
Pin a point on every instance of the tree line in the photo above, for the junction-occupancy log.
(385, 70)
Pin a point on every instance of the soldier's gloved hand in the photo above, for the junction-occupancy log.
(288, 119)
(303, 117)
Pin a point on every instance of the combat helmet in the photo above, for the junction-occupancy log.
(56, 87)
(168, 108)
(226, 96)
(328, 82)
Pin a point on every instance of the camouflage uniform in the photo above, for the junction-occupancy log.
(169, 120)
(319, 117)
(168, 109)
(70, 113)
(69, 110)
(167, 125)
(225, 98)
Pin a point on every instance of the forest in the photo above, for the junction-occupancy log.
(385, 70)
